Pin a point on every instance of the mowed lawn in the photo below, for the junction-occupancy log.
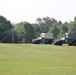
(32, 59)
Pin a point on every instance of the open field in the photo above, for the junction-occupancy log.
(31, 59)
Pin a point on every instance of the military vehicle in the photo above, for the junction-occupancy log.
(68, 38)
(46, 38)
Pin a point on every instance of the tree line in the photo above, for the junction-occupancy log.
(24, 32)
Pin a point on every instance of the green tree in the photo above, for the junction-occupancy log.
(25, 32)
(36, 30)
(45, 24)
(72, 27)
(65, 27)
(55, 30)
(5, 29)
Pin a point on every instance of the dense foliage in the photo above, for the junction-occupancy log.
(5, 30)
(24, 32)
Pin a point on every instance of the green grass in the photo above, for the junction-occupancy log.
(31, 59)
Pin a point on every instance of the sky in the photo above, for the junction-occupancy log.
(29, 10)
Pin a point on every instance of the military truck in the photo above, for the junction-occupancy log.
(46, 38)
(68, 38)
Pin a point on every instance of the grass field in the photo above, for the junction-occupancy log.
(31, 59)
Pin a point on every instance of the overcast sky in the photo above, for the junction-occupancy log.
(29, 10)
